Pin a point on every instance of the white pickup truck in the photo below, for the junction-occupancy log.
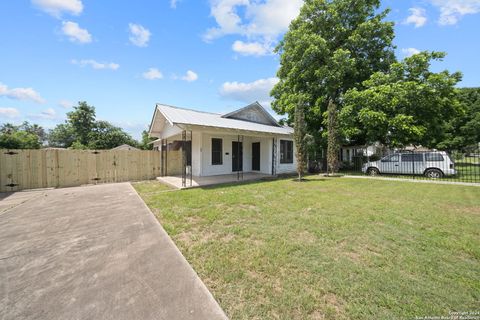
(433, 164)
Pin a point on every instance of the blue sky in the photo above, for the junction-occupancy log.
(213, 55)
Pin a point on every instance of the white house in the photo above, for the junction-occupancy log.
(248, 140)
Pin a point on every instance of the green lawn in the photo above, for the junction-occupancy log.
(329, 248)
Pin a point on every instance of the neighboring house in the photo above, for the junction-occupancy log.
(245, 140)
(347, 153)
(125, 147)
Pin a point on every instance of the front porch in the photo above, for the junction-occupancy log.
(176, 181)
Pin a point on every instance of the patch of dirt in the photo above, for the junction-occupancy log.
(354, 256)
(317, 315)
(462, 209)
(335, 302)
(227, 238)
(306, 237)
(249, 207)
(193, 220)
(330, 306)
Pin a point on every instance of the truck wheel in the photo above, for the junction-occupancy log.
(373, 172)
(434, 174)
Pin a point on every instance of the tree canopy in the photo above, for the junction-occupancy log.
(463, 131)
(331, 46)
(24, 136)
(81, 130)
(408, 104)
(82, 121)
(146, 144)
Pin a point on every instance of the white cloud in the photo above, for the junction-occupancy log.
(152, 74)
(173, 4)
(417, 17)
(262, 21)
(410, 51)
(139, 36)
(225, 14)
(48, 114)
(451, 11)
(97, 65)
(265, 19)
(272, 17)
(258, 90)
(251, 48)
(190, 76)
(74, 33)
(21, 94)
(9, 113)
(65, 104)
(57, 7)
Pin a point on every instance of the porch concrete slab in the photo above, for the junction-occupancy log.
(176, 181)
(94, 252)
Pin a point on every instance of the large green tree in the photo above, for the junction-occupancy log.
(107, 136)
(463, 132)
(19, 140)
(62, 136)
(408, 104)
(81, 130)
(82, 120)
(331, 47)
(24, 136)
(146, 143)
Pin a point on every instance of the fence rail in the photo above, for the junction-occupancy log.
(45, 168)
(428, 164)
(450, 165)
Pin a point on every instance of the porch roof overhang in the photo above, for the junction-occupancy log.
(169, 121)
(217, 130)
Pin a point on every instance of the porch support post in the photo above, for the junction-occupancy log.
(274, 157)
(162, 160)
(191, 157)
(241, 158)
(184, 159)
(166, 157)
(238, 157)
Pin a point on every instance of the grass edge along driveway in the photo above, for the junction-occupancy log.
(329, 248)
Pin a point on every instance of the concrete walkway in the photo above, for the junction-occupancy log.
(93, 252)
(176, 181)
(458, 183)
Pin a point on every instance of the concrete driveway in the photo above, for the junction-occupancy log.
(93, 252)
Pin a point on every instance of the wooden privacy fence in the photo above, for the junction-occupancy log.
(45, 168)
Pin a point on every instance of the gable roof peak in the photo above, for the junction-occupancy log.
(247, 113)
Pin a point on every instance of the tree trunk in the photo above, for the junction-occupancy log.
(333, 145)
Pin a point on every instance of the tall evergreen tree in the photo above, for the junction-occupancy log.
(300, 140)
(333, 141)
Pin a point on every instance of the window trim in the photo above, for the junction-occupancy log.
(286, 159)
(217, 151)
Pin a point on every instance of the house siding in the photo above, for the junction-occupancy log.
(202, 154)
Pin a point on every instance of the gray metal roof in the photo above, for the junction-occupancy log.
(181, 116)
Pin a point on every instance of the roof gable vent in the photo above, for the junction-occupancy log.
(253, 113)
